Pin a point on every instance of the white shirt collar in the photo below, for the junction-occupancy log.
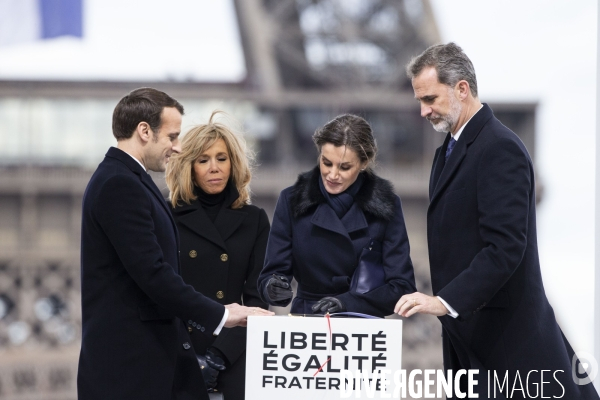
(457, 134)
(138, 161)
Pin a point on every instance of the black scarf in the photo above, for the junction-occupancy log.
(341, 203)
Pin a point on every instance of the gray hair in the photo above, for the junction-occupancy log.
(450, 62)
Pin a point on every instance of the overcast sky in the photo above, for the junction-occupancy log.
(535, 50)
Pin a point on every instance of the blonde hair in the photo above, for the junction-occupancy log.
(197, 140)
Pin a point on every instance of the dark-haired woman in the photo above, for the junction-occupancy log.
(322, 224)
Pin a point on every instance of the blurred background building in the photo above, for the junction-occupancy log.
(302, 62)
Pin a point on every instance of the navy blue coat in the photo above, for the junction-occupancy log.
(483, 255)
(311, 244)
(134, 343)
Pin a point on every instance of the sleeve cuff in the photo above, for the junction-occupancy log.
(223, 320)
(451, 311)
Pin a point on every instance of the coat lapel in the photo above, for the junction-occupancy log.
(469, 134)
(228, 221)
(354, 219)
(200, 224)
(448, 170)
(438, 166)
(324, 217)
(146, 179)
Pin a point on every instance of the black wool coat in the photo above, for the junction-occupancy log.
(222, 260)
(481, 231)
(311, 244)
(134, 343)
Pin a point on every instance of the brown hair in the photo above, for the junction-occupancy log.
(352, 131)
(197, 140)
(141, 105)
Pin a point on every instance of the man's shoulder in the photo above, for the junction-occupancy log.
(112, 176)
(113, 170)
(497, 139)
(484, 121)
(498, 129)
(494, 133)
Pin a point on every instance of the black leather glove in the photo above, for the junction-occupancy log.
(214, 358)
(278, 291)
(328, 305)
(210, 365)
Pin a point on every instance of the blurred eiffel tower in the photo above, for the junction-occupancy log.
(307, 61)
(310, 60)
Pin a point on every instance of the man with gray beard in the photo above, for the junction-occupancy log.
(481, 232)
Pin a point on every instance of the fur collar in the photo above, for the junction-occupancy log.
(376, 196)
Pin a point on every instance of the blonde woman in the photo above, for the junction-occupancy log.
(222, 240)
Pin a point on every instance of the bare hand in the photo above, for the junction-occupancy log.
(238, 314)
(413, 303)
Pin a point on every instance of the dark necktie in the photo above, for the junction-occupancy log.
(451, 144)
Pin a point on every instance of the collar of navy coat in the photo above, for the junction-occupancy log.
(376, 197)
(227, 222)
(146, 179)
(442, 172)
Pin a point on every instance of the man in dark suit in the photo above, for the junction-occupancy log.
(481, 233)
(134, 342)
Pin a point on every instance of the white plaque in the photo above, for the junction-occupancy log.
(322, 358)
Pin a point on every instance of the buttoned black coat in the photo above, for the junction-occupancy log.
(134, 343)
(311, 244)
(481, 231)
(222, 260)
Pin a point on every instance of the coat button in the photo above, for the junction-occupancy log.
(220, 294)
(224, 257)
(190, 329)
(186, 346)
(193, 254)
